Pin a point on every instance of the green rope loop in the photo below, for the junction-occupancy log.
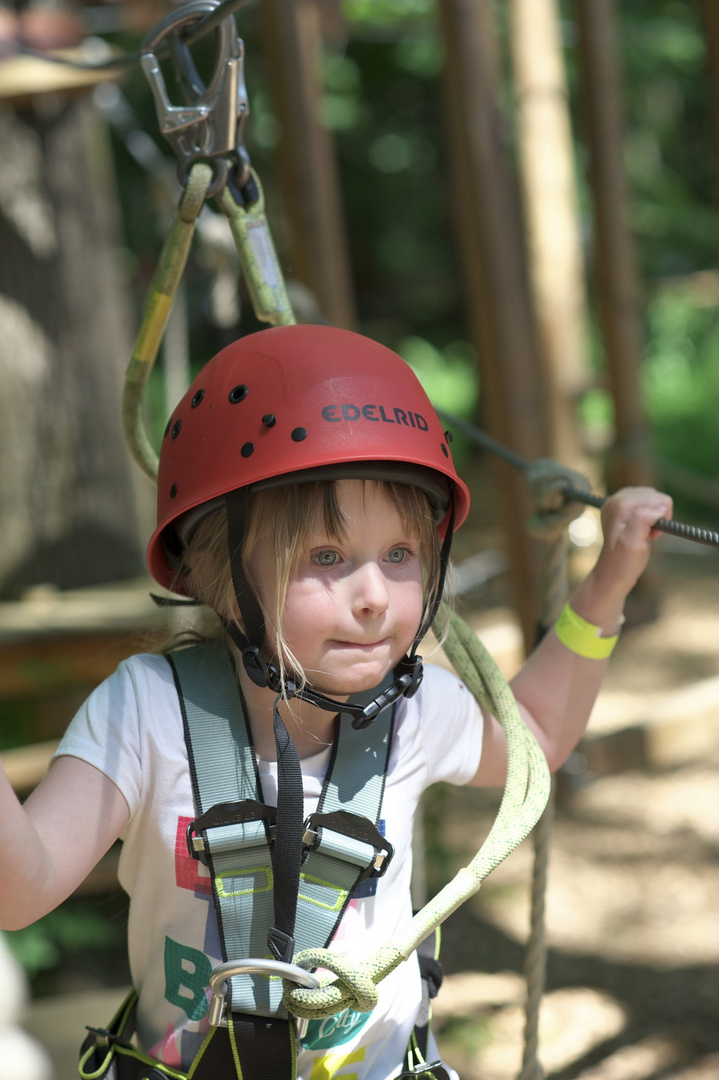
(355, 986)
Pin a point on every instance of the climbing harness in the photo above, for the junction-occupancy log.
(235, 838)
(234, 830)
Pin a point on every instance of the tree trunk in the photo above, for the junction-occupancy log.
(617, 276)
(292, 41)
(499, 309)
(68, 506)
(552, 216)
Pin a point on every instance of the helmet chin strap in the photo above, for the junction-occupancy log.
(408, 672)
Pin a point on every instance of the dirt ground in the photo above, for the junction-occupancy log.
(632, 920)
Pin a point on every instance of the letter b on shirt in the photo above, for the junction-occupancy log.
(187, 974)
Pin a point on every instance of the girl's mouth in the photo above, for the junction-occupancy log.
(360, 644)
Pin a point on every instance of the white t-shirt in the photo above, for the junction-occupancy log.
(131, 729)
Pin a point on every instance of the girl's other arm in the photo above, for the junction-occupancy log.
(50, 843)
(556, 689)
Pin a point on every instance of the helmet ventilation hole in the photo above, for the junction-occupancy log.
(238, 393)
(173, 491)
(299, 434)
(248, 449)
(197, 398)
(177, 427)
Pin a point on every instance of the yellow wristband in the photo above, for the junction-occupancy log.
(582, 637)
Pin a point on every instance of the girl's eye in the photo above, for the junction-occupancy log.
(397, 555)
(325, 558)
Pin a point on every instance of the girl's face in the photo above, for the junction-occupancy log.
(353, 605)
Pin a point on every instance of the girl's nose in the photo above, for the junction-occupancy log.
(369, 589)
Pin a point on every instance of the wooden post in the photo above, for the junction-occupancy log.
(617, 277)
(552, 218)
(498, 304)
(308, 176)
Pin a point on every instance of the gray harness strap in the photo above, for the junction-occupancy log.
(233, 829)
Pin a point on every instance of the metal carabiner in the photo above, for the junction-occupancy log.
(220, 975)
(209, 126)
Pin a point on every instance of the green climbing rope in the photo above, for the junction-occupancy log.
(525, 796)
(261, 271)
(258, 258)
(156, 312)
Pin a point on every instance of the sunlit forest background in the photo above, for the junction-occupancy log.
(383, 101)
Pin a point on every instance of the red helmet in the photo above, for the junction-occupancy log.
(283, 401)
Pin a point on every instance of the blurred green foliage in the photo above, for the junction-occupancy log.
(681, 394)
(70, 928)
(81, 940)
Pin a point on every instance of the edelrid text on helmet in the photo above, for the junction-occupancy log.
(390, 414)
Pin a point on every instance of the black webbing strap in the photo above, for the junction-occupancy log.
(430, 971)
(252, 618)
(216, 1059)
(108, 1054)
(416, 1066)
(287, 850)
(267, 1048)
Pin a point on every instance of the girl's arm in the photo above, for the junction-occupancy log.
(50, 843)
(556, 689)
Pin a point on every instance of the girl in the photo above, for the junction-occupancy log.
(306, 494)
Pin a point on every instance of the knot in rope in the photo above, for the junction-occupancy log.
(548, 483)
(354, 987)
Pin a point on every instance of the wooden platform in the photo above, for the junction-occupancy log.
(51, 641)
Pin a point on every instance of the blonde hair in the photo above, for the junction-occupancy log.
(284, 518)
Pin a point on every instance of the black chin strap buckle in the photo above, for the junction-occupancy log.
(264, 674)
(408, 676)
(409, 673)
(411, 667)
(255, 666)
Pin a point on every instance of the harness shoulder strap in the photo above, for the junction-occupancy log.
(236, 849)
(233, 829)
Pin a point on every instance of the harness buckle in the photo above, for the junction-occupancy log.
(357, 828)
(208, 127)
(104, 1037)
(224, 972)
(220, 815)
(433, 1070)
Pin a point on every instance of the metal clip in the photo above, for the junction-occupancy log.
(209, 126)
(220, 975)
